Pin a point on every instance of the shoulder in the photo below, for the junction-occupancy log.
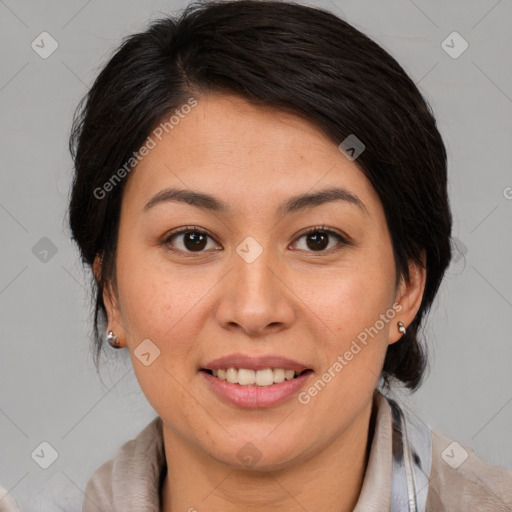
(99, 487)
(460, 481)
(7, 502)
(133, 470)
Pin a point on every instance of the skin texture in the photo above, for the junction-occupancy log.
(293, 301)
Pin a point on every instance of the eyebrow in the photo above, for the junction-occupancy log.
(292, 205)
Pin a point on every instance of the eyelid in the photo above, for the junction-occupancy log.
(325, 229)
(185, 229)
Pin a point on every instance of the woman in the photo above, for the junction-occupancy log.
(260, 192)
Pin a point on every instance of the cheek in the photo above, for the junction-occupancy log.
(353, 298)
(163, 305)
(352, 338)
(151, 300)
(356, 312)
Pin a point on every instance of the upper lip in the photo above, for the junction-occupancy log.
(255, 363)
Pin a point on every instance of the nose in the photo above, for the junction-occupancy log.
(256, 297)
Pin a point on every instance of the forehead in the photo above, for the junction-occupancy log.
(232, 148)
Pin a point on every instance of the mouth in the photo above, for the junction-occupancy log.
(255, 380)
(264, 387)
(265, 377)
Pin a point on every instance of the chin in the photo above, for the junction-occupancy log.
(260, 454)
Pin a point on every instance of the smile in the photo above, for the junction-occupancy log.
(246, 392)
(262, 378)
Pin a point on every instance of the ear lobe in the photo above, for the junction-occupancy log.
(410, 295)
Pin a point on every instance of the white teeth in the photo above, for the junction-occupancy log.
(279, 375)
(232, 375)
(264, 377)
(247, 377)
(289, 374)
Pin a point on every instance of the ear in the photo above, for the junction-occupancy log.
(111, 305)
(96, 267)
(409, 296)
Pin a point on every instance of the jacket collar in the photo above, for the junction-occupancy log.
(397, 474)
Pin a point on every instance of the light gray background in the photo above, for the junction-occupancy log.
(49, 388)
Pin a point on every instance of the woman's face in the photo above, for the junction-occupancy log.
(246, 281)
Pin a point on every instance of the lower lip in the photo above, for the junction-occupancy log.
(256, 396)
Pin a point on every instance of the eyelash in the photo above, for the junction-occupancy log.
(187, 229)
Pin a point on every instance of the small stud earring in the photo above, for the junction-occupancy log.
(113, 340)
(401, 327)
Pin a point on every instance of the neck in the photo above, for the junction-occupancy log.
(330, 480)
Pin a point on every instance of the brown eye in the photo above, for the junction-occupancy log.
(187, 240)
(317, 240)
(194, 241)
